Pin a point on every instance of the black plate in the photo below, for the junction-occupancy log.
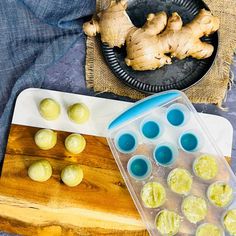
(179, 75)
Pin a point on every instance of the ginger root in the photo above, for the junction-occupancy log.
(142, 47)
(147, 50)
(153, 45)
(113, 24)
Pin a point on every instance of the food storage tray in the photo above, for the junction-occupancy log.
(160, 134)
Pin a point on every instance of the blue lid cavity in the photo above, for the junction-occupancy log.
(177, 114)
(190, 141)
(126, 142)
(151, 129)
(139, 167)
(165, 154)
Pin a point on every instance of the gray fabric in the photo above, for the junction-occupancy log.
(33, 35)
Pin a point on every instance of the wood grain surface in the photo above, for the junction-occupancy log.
(100, 205)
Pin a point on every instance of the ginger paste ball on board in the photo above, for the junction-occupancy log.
(75, 143)
(40, 171)
(49, 109)
(72, 175)
(78, 113)
(45, 139)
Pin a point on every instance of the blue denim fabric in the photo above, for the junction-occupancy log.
(34, 34)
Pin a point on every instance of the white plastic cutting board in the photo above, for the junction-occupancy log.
(102, 112)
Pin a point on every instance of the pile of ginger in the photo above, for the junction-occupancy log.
(158, 40)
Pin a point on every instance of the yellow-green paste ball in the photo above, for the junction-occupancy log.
(230, 222)
(194, 208)
(72, 175)
(220, 194)
(45, 139)
(75, 143)
(208, 229)
(153, 195)
(40, 170)
(180, 181)
(205, 167)
(49, 109)
(78, 113)
(168, 222)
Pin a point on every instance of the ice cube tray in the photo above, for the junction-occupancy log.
(166, 156)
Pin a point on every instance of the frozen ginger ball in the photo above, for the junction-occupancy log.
(75, 143)
(78, 113)
(45, 139)
(40, 171)
(49, 109)
(230, 221)
(168, 222)
(72, 175)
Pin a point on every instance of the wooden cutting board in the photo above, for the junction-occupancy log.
(100, 205)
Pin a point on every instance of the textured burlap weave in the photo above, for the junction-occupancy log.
(214, 86)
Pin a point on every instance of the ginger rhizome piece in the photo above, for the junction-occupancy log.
(147, 50)
(113, 24)
(142, 44)
(153, 45)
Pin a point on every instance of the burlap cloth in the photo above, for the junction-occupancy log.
(213, 87)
